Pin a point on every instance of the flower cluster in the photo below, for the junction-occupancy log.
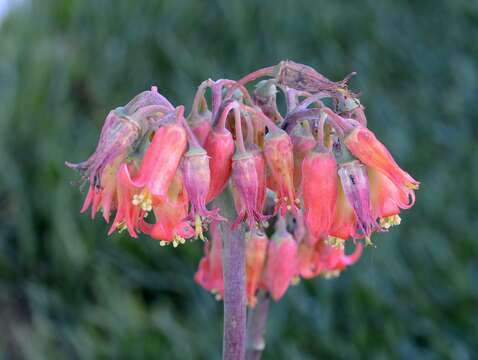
(317, 173)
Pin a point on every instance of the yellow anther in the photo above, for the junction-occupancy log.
(335, 242)
(121, 227)
(289, 207)
(198, 227)
(144, 201)
(368, 241)
(389, 221)
(295, 280)
(330, 274)
(162, 243)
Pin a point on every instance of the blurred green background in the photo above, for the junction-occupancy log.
(67, 291)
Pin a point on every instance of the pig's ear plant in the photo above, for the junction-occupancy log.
(302, 184)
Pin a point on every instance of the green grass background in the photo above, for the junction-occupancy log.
(67, 291)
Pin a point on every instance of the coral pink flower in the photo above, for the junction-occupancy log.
(260, 165)
(319, 190)
(368, 149)
(345, 221)
(210, 275)
(256, 248)
(161, 160)
(127, 214)
(201, 126)
(282, 261)
(220, 147)
(332, 257)
(354, 179)
(170, 214)
(279, 157)
(302, 142)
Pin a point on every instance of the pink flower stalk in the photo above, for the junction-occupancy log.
(354, 179)
(280, 159)
(256, 249)
(368, 149)
(210, 273)
(282, 261)
(319, 190)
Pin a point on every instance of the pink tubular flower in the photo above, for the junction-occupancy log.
(256, 248)
(161, 160)
(282, 261)
(368, 149)
(210, 275)
(220, 147)
(302, 142)
(355, 183)
(201, 126)
(260, 165)
(197, 179)
(332, 258)
(246, 184)
(319, 190)
(279, 157)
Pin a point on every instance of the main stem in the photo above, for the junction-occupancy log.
(256, 327)
(234, 268)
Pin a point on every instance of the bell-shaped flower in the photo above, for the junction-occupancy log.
(282, 261)
(171, 226)
(363, 144)
(280, 160)
(302, 142)
(197, 179)
(319, 191)
(256, 248)
(355, 183)
(220, 148)
(161, 160)
(246, 184)
(210, 275)
(201, 125)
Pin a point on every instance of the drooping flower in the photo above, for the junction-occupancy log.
(161, 160)
(197, 179)
(256, 248)
(302, 142)
(201, 125)
(220, 147)
(245, 181)
(280, 160)
(368, 149)
(354, 179)
(282, 261)
(319, 190)
(210, 274)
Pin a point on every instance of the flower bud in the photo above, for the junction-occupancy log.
(256, 248)
(201, 126)
(282, 261)
(210, 274)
